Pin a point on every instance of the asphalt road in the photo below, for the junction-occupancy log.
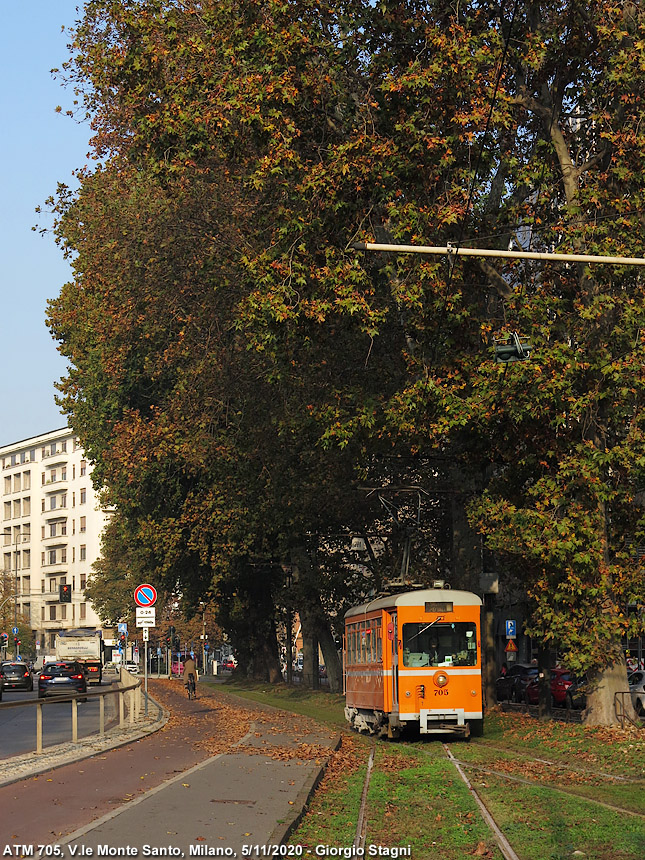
(18, 725)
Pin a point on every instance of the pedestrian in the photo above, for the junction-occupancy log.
(504, 669)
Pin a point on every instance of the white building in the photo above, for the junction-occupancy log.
(52, 527)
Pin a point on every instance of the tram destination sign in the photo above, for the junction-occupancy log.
(445, 606)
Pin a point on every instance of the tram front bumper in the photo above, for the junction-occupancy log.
(438, 722)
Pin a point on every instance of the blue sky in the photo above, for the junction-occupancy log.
(38, 148)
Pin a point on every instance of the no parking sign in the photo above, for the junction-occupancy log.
(145, 595)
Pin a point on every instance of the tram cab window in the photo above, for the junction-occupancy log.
(439, 644)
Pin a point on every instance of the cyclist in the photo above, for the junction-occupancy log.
(190, 674)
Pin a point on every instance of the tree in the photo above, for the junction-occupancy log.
(223, 338)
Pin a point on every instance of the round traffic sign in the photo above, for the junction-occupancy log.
(145, 595)
(14, 630)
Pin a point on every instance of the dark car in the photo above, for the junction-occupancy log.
(576, 695)
(63, 677)
(511, 686)
(561, 680)
(16, 676)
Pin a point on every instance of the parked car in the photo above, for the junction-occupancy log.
(131, 667)
(576, 695)
(561, 680)
(637, 689)
(16, 676)
(61, 677)
(511, 686)
(228, 663)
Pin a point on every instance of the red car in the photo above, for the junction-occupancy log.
(561, 680)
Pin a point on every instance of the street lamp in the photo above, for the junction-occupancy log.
(16, 542)
(203, 606)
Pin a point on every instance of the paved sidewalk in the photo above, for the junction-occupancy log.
(187, 802)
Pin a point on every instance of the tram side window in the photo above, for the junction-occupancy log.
(440, 644)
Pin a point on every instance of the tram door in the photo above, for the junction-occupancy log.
(394, 643)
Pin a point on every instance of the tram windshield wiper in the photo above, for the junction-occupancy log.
(423, 629)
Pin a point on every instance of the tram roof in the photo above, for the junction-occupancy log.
(413, 598)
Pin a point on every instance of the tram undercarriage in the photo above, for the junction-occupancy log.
(390, 726)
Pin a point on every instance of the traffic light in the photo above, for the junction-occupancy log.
(122, 640)
(65, 593)
(16, 641)
(4, 640)
(169, 639)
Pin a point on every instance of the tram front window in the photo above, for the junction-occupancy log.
(440, 644)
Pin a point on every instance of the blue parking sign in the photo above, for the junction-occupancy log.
(511, 628)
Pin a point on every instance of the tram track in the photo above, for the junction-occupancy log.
(537, 784)
(502, 842)
(561, 766)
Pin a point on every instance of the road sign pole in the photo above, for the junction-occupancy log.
(145, 676)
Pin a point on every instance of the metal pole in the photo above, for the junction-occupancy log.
(146, 678)
(15, 603)
(204, 640)
(448, 250)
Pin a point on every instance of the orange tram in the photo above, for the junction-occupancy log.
(415, 659)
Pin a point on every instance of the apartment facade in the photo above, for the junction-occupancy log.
(52, 526)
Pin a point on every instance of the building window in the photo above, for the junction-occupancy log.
(51, 556)
(26, 480)
(52, 584)
(42, 586)
(83, 581)
(63, 611)
(43, 479)
(17, 483)
(52, 613)
(83, 496)
(63, 500)
(7, 510)
(63, 474)
(26, 558)
(52, 503)
(83, 555)
(63, 555)
(7, 562)
(16, 508)
(26, 506)
(83, 468)
(83, 526)
(7, 484)
(82, 611)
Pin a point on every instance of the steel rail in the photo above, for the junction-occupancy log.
(537, 784)
(361, 824)
(502, 842)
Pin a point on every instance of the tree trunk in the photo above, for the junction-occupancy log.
(603, 706)
(330, 654)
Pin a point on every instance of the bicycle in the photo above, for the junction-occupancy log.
(190, 686)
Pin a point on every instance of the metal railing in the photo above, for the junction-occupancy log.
(127, 710)
(621, 711)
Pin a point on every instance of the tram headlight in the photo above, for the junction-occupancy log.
(440, 679)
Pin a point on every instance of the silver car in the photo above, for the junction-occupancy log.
(637, 689)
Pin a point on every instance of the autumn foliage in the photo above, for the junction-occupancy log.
(233, 361)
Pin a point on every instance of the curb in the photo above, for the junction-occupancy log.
(283, 830)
